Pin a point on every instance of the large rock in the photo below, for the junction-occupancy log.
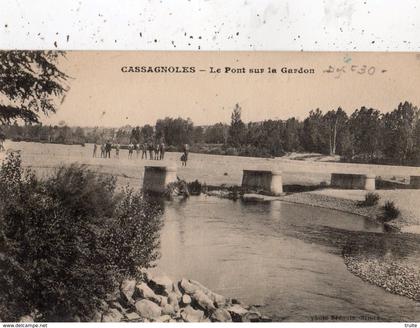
(237, 312)
(164, 318)
(117, 305)
(142, 290)
(161, 284)
(203, 301)
(103, 306)
(221, 315)
(202, 287)
(169, 309)
(264, 318)
(186, 299)
(147, 309)
(127, 289)
(26, 318)
(112, 315)
(219, 300)
(132, 316)
(251, 316)
(188, 314)
(96, 316)
(163, 300)
(173, 298)
(175, 287)
(188, 287)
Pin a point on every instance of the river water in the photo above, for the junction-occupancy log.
(284, 257)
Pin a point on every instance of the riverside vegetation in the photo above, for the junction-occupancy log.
(67, 241)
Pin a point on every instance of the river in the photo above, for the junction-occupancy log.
(284, 257)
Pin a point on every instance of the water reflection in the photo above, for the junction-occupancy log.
(285, 256)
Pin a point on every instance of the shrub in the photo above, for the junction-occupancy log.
(194, 188)
(371, 199)
(131, 237)
(177, 188)
(67, 241)
(390, 211)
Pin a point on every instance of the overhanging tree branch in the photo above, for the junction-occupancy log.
(30, 83)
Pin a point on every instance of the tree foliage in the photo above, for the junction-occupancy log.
(175, 131)
(237, 129)
(30, 84)
(66, 242)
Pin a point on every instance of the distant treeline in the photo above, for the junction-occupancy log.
(365, 136)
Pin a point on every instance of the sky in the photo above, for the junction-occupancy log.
(102, 95)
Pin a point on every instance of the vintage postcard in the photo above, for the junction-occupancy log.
(209, 187)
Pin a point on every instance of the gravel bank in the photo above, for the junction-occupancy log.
(394, 274)
(394, 277)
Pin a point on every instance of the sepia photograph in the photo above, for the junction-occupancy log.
(153, 186)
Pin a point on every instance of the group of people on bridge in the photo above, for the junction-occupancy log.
(156, 150)
(106, 148)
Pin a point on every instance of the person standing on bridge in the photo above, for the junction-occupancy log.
(184, 157)
(156, 151)
(103, 150)
(150, 148)
(95, 148)
(162, 150)
(144, 151)
(130, 150)
(108, 147)
(138, 148)
(117, 150)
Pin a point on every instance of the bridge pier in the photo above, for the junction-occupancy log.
(370, 183)
(157, 178)
(415, 181)
(353, 181)
(263, 180)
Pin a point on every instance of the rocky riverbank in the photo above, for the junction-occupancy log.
(159, 299)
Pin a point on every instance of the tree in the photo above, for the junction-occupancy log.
(365, 127)
(416, 147)
(147, 132)
(314, 133)
(198, 135)
(291, 135)
(237, 129)
(335, 123)
(135, 135)
(176, 131)
(399, 133)
(216, 134)
(79, 136)
(30, 84)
